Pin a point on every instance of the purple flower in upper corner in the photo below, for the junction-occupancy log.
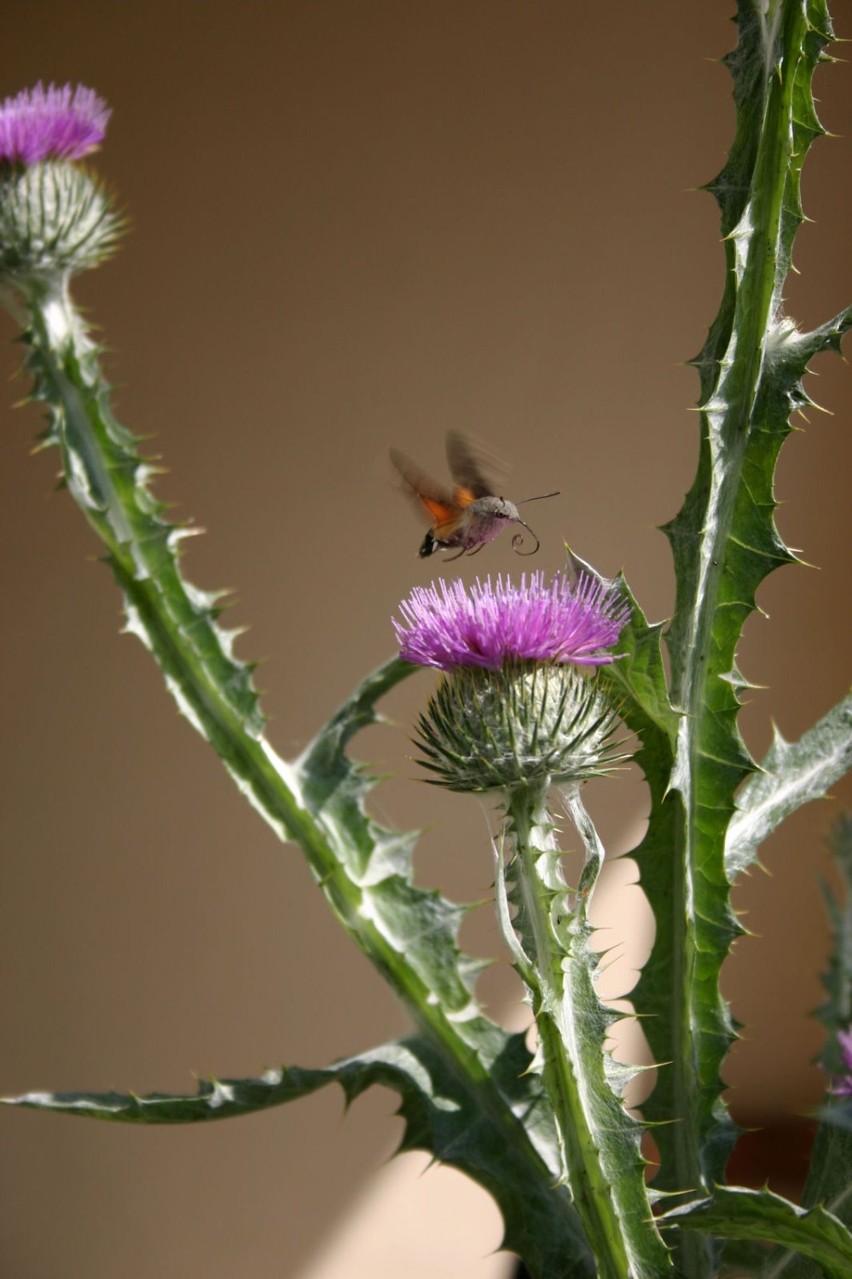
(841, 1085)
(537, 621)
(51, 123)
(56, 218)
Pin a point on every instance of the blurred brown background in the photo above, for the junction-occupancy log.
(356, 225)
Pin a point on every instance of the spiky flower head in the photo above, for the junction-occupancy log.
(514, 708)
(55, 218)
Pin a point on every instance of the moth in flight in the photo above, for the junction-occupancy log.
(467, 515)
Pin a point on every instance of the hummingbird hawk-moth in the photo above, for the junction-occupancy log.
(466, 516)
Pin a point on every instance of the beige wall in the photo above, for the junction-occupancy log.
(356, 225)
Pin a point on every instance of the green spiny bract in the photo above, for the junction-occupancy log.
(523, 724)
(55, 219)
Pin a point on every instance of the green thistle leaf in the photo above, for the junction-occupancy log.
(791, 774)
(438, 1115)
(734, 1212)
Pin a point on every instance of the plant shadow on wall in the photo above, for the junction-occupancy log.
(540, 680)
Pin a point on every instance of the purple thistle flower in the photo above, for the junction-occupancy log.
(490, 625)
(52, 123)
(841, 1085)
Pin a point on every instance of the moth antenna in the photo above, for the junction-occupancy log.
(518, 539)
(539, 498)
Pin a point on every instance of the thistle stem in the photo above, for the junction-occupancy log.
(548, 939)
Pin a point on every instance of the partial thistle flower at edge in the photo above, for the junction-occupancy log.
(513, 707)
(55, 218)
(841, 1084)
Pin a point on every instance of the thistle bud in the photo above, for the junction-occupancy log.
(527, 724)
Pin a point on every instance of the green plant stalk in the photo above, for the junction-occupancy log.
(177, 623)
(548, 940)
(732, 366)
(724, 543)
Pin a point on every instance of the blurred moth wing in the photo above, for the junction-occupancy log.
(441, 505)
(473, 466)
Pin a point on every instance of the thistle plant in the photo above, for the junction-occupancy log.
(541, 685)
